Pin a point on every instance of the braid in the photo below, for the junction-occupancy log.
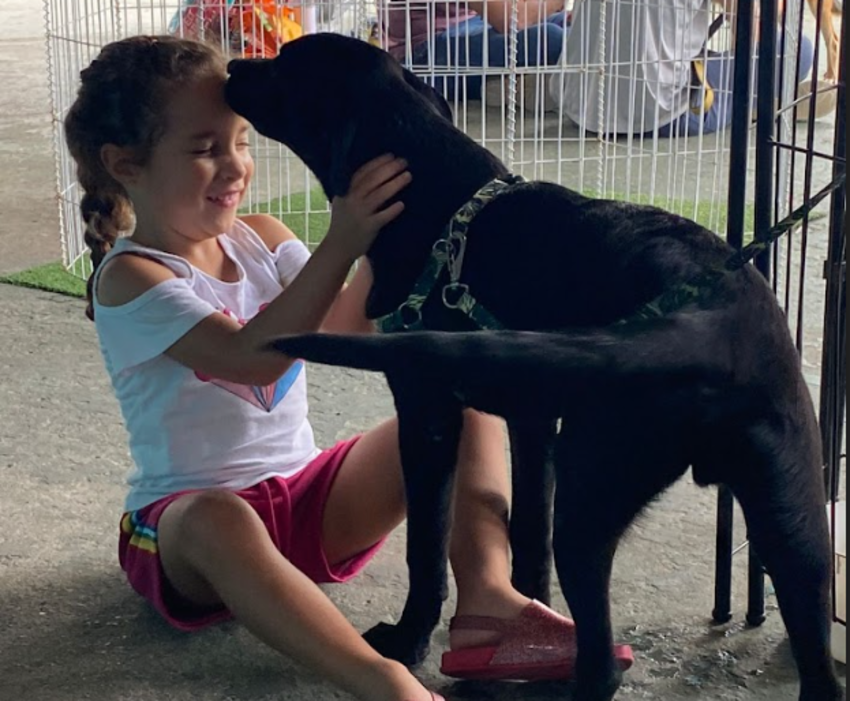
(107, 215)
(121, 102)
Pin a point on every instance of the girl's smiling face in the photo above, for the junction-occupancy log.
(199, 170)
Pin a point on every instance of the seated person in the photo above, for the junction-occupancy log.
(451, 33)
(659, 74)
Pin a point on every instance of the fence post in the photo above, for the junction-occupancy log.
(737, 207)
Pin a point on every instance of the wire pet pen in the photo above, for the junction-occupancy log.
(707, 177)
(77, 29)
(514, 115)
(797, 170)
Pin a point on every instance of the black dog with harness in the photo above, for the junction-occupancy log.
(708, 380)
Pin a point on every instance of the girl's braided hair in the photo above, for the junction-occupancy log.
(122, 101)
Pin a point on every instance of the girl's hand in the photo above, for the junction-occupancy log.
(357, 217)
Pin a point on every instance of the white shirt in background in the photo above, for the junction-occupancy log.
(644, 49)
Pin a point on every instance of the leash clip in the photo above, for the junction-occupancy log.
(457, 253)
(442, 250)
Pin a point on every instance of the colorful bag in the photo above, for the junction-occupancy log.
(249, 28)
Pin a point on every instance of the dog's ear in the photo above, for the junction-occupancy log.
(429, 93)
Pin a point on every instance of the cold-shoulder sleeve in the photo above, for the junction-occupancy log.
(145, 328)
(290, 258)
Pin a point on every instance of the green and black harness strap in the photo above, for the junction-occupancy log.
(448, 254)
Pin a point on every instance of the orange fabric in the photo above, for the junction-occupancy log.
(266, 27)
(252, 28)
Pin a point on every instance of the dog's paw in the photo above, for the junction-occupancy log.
(593, 695)
(835, 692)
(597, 689)
(398, 644)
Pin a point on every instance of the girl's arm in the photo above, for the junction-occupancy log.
(348, 311)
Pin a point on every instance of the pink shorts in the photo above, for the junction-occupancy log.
(293, 512)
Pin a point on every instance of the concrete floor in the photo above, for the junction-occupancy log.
(72, 629)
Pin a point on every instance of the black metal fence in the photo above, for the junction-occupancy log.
(794, 161)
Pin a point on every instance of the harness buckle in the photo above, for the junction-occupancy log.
(453, 293)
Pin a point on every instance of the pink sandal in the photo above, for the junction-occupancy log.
(434, 697)
(539, 645)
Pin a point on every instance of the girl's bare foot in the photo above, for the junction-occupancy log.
(507, 605)
(394, 682)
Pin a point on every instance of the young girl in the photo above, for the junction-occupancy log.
(232, 510)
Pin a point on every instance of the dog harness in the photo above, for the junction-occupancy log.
(449, 252)
(693, 290)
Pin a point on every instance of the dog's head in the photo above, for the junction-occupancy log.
(337, 102)
(318, 92)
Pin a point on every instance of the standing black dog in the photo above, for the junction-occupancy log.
(715, 385)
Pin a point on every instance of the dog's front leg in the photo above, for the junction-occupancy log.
(430, 424)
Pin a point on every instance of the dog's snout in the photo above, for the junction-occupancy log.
(241, 64)
(243, 91)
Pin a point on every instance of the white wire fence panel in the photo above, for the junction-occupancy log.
(76, 30)
(575, 96)
(578, 99)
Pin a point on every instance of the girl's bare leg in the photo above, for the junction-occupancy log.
(367, 502)
(215, 549)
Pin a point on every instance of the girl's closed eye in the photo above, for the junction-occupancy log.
(203, 150)
(243, 139)
(213, 149)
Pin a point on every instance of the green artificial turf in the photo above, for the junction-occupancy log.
(52, 277)
(312, 227)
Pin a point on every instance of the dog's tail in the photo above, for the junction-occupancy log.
(664, 347)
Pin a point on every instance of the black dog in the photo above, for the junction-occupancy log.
(715, 385)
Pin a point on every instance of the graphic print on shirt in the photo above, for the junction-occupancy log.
(264, 398)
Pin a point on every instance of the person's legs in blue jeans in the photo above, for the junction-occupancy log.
(807, 58)
(539, 45)
(720, 71)
(473, 44)
(461, 45)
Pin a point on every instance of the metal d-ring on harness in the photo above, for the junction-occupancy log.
(692, 290)
(448, 254)
(450, 251)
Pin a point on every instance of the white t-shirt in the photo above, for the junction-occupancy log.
(645, 51)
(187, 431)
